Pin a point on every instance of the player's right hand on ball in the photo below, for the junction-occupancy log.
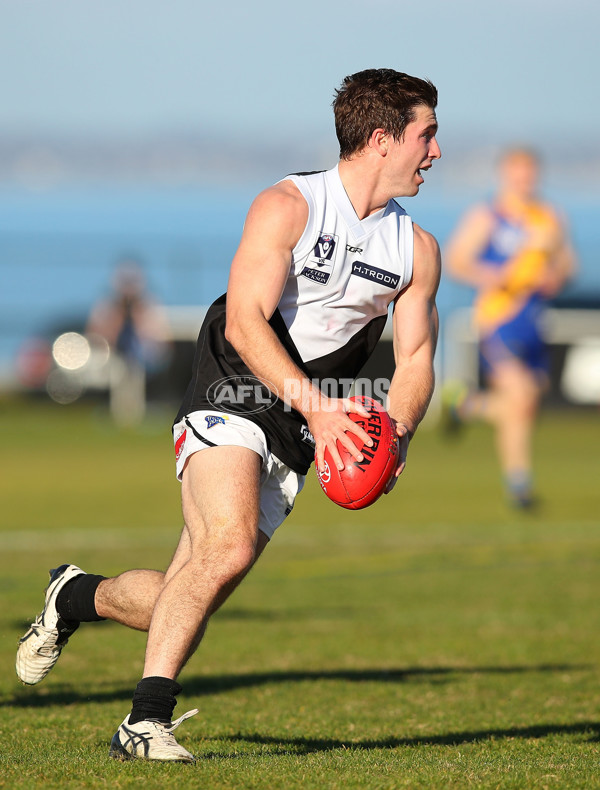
(329, 424)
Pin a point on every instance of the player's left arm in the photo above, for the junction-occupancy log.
(562, 262)
(415, 332)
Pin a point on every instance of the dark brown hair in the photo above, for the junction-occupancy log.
(377, 99)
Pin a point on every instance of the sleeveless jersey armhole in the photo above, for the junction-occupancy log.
(408, 252)
(306, 242)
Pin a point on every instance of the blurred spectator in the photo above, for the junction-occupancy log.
(136, 329)
(515, 252)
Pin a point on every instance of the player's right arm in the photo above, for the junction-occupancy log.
(463, 251)
(259, 272)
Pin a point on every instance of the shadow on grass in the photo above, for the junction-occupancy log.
(222, 683)
(239, 615)
(45, 696)
(231, 614)
(300, 746)
(286, 615)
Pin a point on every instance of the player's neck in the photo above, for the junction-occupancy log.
(362, 187)
(514, 203)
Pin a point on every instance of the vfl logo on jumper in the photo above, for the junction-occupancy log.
(320, 264)
(214, 419)
(375, 275)
(241, 395)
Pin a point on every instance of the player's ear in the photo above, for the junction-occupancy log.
(379, 141)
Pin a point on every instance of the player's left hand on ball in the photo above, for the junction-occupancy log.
(404, 437)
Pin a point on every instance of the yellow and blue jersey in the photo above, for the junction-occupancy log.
(508, 316)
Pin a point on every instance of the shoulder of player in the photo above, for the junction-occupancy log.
(283, 199)
(426, 246)
(553, 213)
(471, 233)
(279, 212)
(427, 264)
(481, 216)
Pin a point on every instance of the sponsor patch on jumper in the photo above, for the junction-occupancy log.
(214, 419)
(320, 264)
(179, 444)
(375, 275)
(316, 275)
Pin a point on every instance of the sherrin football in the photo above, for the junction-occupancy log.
(359, 484)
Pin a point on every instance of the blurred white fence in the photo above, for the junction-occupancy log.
(573, 337)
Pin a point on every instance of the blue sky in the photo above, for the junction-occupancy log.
(520, 69)
(516, 71)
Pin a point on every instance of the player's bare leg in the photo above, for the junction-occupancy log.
(516, 394)
(221, 512)
(130, 598)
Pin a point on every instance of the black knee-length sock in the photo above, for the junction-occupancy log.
(75, 602)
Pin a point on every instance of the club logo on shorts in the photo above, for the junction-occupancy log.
(241, 395)
(319, 265)
(179, 444)
(214, 419)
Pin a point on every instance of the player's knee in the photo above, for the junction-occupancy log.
(229, 556)
(238, 559)
(525, 406)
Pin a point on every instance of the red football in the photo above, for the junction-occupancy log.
(358, 485)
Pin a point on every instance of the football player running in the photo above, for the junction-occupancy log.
(321, 259)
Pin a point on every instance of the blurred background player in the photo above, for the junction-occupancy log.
(515, 252)
(136, 329)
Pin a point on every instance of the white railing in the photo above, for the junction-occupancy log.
(578, 330)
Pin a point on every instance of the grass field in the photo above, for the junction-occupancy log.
(435, 640)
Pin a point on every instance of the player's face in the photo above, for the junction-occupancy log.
(415, 152)
(519, 174)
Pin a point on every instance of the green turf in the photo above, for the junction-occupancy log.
(436, 640)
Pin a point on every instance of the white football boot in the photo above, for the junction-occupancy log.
(41, 646)
(150, 740)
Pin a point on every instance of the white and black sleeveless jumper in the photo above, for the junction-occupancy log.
(343, 275)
